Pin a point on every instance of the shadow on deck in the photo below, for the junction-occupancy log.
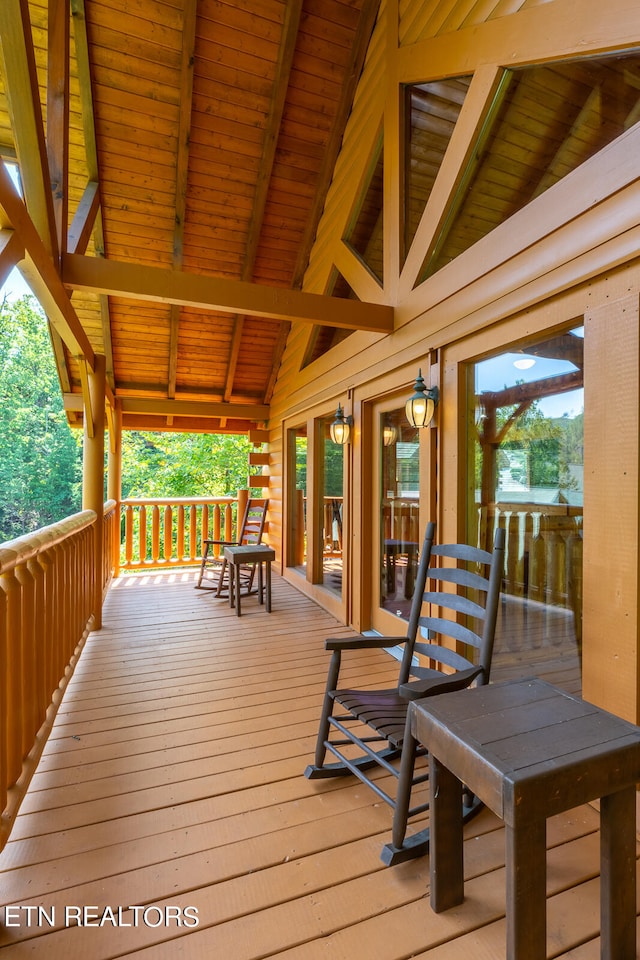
(172, 783)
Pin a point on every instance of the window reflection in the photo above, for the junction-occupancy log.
(333, 486)
(299, 512)
(399, 521)
(527, 473)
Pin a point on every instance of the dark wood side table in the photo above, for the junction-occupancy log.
(236, 557)
(529, 751)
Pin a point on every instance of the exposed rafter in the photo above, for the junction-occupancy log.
(21, 81)
(91, 153)
(367, 22)
(280, 86)
(58, 116)
(84, 220)
(182, 165)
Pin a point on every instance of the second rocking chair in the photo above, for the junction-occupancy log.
(448, 646)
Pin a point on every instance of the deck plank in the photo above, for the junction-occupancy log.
(173, 777)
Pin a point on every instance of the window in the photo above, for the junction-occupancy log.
(526, 456)
(543, 122)
(399, 458)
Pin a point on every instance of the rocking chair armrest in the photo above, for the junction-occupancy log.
(362, 643)
(447, 683)
(222, 543)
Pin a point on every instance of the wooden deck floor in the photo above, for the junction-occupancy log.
(173, 780)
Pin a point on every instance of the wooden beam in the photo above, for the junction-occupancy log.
(137, 282)
(182, 165)
(174, 331)
(368, 16)
(21, 84)
(536, 33)
(187, 408)
(58, 116)
(40, 272)
(84, 220)
(286, 52)
(234, 353)
(91, 151)
(86, 398)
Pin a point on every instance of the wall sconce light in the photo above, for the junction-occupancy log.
(421, 406)
(340, 429)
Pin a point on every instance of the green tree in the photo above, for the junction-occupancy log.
(184, 464)
(40, 457)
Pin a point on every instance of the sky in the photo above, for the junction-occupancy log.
(14, 287)
(509, 368)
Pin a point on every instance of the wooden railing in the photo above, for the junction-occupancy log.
(47, 595)
(165, 532)
(543, 558)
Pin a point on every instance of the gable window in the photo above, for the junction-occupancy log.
(543, 122)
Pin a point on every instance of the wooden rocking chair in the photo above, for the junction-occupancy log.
(456, 603)
(213, 569)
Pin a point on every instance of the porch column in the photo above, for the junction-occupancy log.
(114, 477)
(93, 475)
(611, 560)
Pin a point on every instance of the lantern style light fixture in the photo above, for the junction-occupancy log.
(420, 407)
(340, 429)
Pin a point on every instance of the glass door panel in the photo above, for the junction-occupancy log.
(330, 539)
(298, 507)
(399, 520)
(526, 473)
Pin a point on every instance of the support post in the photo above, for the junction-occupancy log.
(114, 477)
(93, 477)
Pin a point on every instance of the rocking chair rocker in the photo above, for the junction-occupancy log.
(460, 603)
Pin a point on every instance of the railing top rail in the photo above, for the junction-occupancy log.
(22, 549)
(175, 501)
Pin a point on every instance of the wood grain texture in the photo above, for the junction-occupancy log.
(174, 777)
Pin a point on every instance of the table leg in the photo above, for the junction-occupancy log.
(446, 866)
(526, 867)
(618, 875)
(268, 575)
(231, 574)
(236, 568)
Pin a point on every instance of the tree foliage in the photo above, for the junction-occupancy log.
(183, 464)
(40, 458)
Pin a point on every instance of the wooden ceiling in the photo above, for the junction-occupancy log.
(199, 143)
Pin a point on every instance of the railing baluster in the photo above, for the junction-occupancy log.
(168, 533)
(180, 534)
(193, 532)
(172, 521)
(228, 522)
(204, 526)
(215, 534)
(128, 535)
(155, 534)
(142, 533)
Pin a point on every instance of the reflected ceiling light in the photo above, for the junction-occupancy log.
(389, 434)
(525, 364)
(340, 429)
(421, 406)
